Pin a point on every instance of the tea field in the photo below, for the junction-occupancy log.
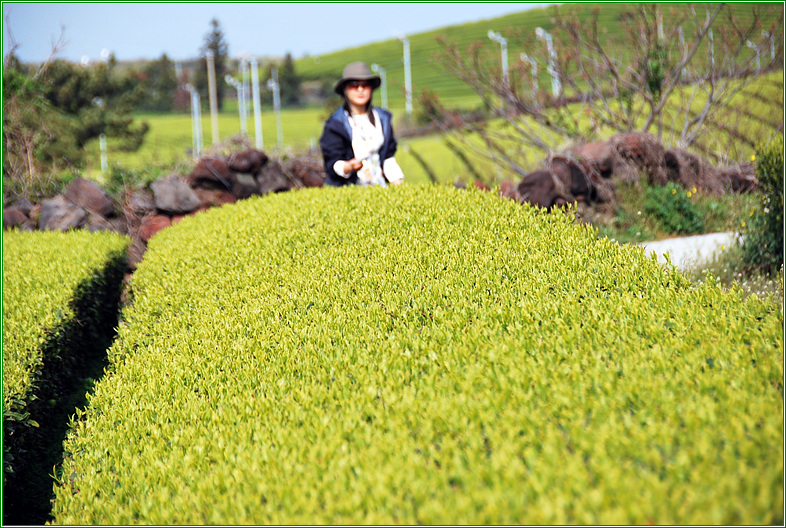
(425, 355)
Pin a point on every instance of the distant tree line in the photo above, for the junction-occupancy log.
(162, 89)
(51, 111)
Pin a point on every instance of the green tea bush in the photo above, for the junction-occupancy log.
(425, 355)
(60, 297)
(763, 245)
(43, 272)
(671, 205)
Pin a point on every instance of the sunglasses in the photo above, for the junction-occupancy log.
(359, 84)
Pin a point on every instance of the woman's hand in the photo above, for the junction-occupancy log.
(352, 165)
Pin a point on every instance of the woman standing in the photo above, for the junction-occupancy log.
(357, 143)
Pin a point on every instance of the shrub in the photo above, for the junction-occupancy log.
(119, 179)
(671, 205)
(425, 355)
(50, 114)
(763, 245)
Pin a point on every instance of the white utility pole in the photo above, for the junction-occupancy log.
(682, 49)
(97, 101)
(768, 36)
(257, 106)
(381, 71)
(273, 85)
(758, 58)
(102, 144)
(556, 84)
(196, 120)
(240, 101)
(503, 44)
(244, 78)
(211, 83)
(407, 75)
(659, 17)
(533, 63)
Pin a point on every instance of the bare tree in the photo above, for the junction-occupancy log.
(10, 57)
(669, 71)
(26, 125)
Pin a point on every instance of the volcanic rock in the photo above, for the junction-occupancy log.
(172, 195)
(60, 214)
(152, 224)
(90, 196)
(13, 217)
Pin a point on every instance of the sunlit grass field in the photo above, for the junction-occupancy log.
(170, 142)
(753, 116)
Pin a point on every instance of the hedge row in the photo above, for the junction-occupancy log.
(60, 297)
(43, 273)
(425, 355)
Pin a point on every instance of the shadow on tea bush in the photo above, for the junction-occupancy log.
(74, 356)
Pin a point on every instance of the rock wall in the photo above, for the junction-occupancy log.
(588, 172)
(584, 173)
(214, 181)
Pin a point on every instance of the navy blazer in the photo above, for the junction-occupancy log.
(336, 143)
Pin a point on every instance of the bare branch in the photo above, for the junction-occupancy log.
(12, 44)
(57, 47)
(666, 73)
(681, 65)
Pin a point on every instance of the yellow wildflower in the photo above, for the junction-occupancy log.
(693, 190)
(753, 158)
(674, 191)
(688, 194)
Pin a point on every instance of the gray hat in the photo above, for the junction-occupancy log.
(357, 71)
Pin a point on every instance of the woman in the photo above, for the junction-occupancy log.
(357, 143)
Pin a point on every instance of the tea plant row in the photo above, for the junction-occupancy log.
(423, 354)
(44, 272)
(60, 304)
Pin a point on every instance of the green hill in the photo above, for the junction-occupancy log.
(518, 28)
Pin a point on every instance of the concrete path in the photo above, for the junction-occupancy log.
(689, 252)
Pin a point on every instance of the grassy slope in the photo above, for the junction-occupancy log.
(733, 135)
(518, 28)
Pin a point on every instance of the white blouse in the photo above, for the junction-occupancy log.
(367, 140)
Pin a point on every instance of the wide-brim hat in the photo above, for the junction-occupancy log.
(357, 71)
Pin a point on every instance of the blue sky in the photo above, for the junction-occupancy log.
(145, 30)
